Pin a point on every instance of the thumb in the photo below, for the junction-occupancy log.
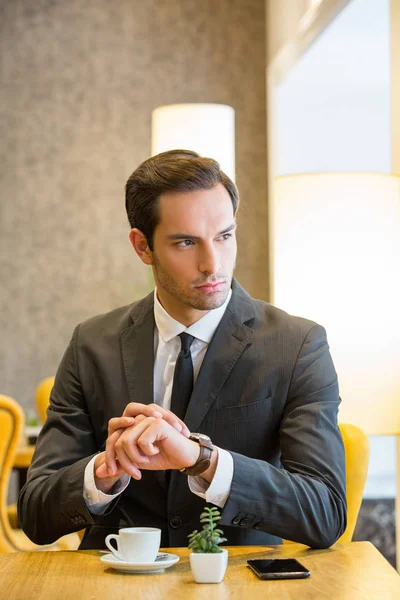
(102, 472)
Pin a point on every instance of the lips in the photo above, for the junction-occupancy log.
(211, 287)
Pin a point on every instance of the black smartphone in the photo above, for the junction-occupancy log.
(278, 568)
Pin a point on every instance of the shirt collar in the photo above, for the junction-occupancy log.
(203, 329)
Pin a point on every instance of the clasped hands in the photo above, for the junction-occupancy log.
(145, 437)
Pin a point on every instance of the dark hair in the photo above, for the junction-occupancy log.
(172, 171)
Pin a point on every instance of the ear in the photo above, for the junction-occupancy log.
(140, 245)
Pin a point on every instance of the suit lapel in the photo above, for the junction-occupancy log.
(137, 347)
(230, 339)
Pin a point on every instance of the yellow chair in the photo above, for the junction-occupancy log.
(356, 448)
(42, 395)
(11, 427)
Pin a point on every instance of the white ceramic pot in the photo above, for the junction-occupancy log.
(209, 567)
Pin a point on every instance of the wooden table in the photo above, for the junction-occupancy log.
(348, 571)
(26, 448)
(23, 456)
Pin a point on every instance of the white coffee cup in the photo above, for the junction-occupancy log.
(135, 544)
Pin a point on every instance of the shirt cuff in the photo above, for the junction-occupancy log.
(95, 499)
(217, 492)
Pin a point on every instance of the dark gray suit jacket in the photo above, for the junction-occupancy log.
(267, 392)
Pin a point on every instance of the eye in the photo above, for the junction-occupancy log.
(225, 236)
(184, 243)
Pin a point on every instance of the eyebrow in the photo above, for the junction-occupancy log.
(187, 236)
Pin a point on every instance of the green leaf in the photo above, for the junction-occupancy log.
(207, 539)
(193, 533)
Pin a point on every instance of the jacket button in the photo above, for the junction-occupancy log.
(236, 521)
(245, 522)
(175, 522)
(258, 525)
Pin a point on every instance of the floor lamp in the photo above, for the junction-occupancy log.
(335, 247)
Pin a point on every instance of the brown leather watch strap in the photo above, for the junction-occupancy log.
(204, 459)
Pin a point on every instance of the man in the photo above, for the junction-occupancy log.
(115, 450)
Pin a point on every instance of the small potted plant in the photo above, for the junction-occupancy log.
(207, 560)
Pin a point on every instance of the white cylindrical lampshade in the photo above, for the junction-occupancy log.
(336, 260)
(208, 129)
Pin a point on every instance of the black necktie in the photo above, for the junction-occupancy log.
(182, 386)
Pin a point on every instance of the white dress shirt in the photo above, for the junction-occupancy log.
(167, 346)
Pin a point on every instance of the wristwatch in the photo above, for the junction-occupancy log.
(204, 460)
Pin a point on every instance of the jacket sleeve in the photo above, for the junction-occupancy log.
(51, 503)
(305, 500)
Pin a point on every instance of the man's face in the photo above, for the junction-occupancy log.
(194, 251)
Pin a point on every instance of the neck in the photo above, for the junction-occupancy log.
(180, 312)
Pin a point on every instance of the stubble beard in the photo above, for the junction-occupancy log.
(190, 297)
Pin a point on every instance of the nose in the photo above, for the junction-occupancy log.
(209, 261)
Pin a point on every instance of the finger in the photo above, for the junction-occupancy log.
(116, 425)
(128, 441)
(102, 472)
(133, 409)
(177, 423)
(153, 410)
(110, 451)
(139, 419)
(154, 433)
(127, 464)
(119, 423)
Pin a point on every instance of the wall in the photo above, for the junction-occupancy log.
(78, 82)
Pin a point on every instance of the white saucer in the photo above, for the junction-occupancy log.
(166, 561)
